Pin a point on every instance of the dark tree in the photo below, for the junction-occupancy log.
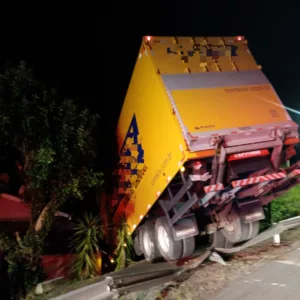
(56, 143)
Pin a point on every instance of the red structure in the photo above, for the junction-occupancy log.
(15, 215)
(12, 209)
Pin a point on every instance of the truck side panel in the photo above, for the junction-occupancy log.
(150, 141)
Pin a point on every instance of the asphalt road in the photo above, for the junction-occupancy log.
(276, 280)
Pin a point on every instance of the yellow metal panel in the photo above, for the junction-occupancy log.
(148, 110)
(228, 107)
(199, 54)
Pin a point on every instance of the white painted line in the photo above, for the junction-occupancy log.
(288, 262)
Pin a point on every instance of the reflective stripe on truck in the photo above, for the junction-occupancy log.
(252, 180)
(214, 187)
(295, 172)
(258, 179)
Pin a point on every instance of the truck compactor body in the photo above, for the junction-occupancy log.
(204, 142)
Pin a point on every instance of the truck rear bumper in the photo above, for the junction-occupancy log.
(259, 134)
(273, 188)
(266, 188)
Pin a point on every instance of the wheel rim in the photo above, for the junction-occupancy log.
(231, 223)
(233, 228)
(163, 239)
(148, 244)
(230, 226)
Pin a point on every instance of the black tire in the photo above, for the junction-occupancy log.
(239, 231)
(220, 241)
(188, 246)
(173, 249)
(250, 230)
(136, 246)
(148, 242)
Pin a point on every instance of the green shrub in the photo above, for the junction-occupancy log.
(85, 244)
(124, 248)
(23, 255)
(286, 206)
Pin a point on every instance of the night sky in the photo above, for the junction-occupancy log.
(90, 56)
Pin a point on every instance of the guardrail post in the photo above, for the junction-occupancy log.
(276, 238)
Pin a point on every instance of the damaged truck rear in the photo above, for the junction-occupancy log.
(204, 143)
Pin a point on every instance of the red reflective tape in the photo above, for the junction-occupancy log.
(295, 172)
(254, 180)
(207, 189)
(214, 187)
(281, 174)
(220, 186)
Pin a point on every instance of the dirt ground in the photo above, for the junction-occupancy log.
(210, 278)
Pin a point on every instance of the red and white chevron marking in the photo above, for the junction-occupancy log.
(295, 172)
(214, 187)
(258, 179)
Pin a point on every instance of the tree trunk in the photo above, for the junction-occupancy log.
(40, 221)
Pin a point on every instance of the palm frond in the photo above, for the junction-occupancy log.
(124, 247)
(85, 244)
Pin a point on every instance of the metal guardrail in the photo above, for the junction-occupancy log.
(269, 233)
(116, 284)
(119, 284)
(96, 291)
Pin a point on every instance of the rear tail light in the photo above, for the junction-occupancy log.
(240, 38)
(197, 165)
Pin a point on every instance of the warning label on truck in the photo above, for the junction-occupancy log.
(248, 89)
(162, 168)
(204, 126)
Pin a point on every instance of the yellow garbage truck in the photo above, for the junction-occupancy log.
(204, 144)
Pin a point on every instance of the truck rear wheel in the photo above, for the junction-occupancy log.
(236, 230)
(221, 241)
(137, 246)
(188, 246)
(168, 247)
(148, 242)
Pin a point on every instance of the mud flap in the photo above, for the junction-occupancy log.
(251, 211)
(185, 228)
